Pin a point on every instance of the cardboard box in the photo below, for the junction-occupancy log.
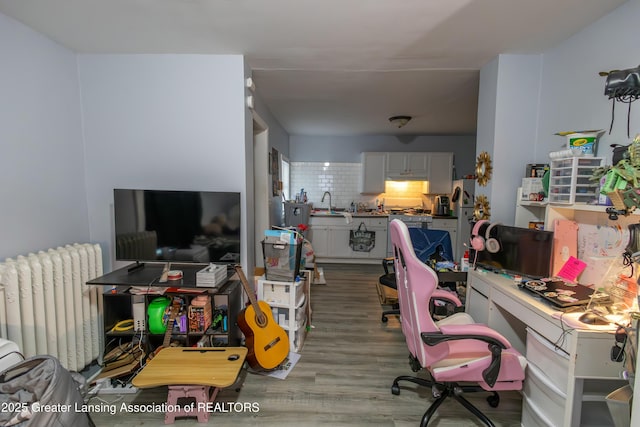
(536, 225)
(386, 295)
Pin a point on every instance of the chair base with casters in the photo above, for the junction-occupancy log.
(440, 391)
(394, 311)
(389, 280)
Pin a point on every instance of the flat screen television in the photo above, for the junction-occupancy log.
(523, 251)
(179, 226)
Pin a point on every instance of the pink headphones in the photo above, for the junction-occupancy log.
(491, 244)
(477, 241)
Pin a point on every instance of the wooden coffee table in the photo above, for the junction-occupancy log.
(191, 373)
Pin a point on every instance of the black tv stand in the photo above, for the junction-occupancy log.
(137, 266)
(119, 306)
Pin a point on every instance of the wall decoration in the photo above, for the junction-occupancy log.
(275, 172)
(483, 168)
(481, 208)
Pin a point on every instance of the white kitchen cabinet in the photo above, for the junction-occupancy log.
(319, 238)
(435, 167)
(450, 225)
(373, 172)
(339, 242)
(440, 172)
(330, 239)
(380, 226)
(408, 166)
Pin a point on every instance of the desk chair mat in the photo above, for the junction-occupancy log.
(559, 293)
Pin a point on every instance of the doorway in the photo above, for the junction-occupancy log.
(261, 189)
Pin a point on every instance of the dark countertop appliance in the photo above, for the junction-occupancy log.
(442, 205)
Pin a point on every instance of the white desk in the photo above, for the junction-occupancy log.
(569, 371)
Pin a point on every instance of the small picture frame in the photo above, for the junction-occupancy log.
(274, 170)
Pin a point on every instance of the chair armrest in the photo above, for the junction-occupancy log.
(386, 263)
(442, 295)
(474, 331)
(496, 342)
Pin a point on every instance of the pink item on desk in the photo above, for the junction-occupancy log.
(565, 243)
(572, 269)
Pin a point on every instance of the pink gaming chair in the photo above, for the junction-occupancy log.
(454, 350)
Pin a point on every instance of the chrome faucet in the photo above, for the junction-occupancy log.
(322, 201)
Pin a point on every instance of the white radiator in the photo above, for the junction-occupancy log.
(47, 308)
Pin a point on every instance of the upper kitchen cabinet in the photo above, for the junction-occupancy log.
(440, 172)
(408, 166)
(434, 167)
(373, 173)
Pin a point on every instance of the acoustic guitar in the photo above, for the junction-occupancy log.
(267, 342)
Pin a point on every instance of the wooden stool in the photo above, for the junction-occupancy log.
(199, 393)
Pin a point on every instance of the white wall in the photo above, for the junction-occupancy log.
(516, 119)
(278, 139)
(148, 121)
(487, 102)
(174, 122)
(42, 199)
(571, 92)
(507, 127)
(572, 96)
(559, 90)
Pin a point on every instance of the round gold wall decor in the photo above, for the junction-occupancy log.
(483, 168)
(481, 208)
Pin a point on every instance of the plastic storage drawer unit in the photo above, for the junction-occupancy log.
(570, 181)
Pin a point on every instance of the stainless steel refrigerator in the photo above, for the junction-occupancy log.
(462, 200)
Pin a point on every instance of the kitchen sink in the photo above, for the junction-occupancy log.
(328, 213)
(334, 211)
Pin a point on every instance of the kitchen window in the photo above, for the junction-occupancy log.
(284, 177)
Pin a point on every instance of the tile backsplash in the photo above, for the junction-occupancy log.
(342, 180)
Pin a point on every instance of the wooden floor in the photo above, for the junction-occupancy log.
(343, 378)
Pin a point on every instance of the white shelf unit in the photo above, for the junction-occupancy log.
(569, 181)
(587, 214)
(291, 306)
(528, 211)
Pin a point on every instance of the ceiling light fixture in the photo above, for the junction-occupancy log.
(399, 121)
